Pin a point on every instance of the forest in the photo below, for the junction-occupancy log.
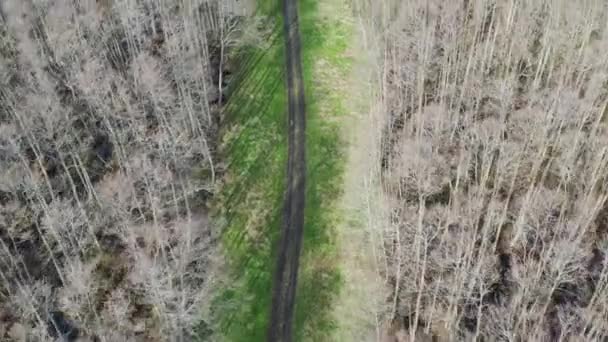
(455, 157)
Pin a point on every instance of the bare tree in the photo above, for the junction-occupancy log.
(494, 160)
(108, 114)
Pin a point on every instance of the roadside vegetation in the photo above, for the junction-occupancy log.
(255, 145)
(109, 116)
(494, 162)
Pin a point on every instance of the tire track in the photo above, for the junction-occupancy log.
(290, 244)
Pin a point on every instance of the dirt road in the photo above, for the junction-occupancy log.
(290, 244)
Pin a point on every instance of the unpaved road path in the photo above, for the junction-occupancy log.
(290, 244)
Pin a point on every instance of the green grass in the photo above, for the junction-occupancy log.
(250, 203)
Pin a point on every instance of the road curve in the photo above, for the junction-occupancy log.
(290, 244)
